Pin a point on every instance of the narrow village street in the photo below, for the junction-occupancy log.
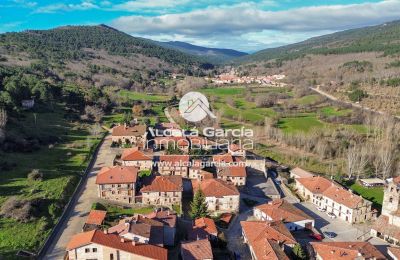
(75, 219)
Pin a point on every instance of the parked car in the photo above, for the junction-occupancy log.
(321, 209)
(331, 215)
(316, 236)
(330, 234)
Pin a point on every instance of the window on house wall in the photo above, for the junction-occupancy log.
(111, 256)
(87, 250)
(94, 250)
(390, 199)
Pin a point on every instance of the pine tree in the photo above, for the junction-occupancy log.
(198, 207)
(299, 252)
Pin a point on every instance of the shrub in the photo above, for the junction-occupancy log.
(35, 175)
(21, 210)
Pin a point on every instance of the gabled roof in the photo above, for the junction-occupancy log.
(280, 209)
(117, 175)
(96, 217)
(174, 160)
(164, 184)
(300, 173)
(202, 228)
(215, 188)
(141, 226)
(134, 154)
(382, 226)
(346, 250)
(342, 196)
(233, 171)
(223, 158)
(164, 216)
(264, 237)
(114, 241)
(275, 230)
(196, 250)
(315, 184)
(122, 130)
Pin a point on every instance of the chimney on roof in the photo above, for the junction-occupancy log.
(105, 231)
(332, 251)
(168, 213)
(133, 243)
(122, 240)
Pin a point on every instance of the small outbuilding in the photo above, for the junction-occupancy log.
(372, 182)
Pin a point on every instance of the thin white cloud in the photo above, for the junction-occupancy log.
(241, 19)
(145, 4)
(53, 8)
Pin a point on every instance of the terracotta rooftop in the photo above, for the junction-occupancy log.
(141, 226)
(233, 171)
(196, 250)
(382, 226)
(342, 196)
(206, 175)
(346, 250)
(114, 241)
(96, 217)
(202, 228)
(280, 209)
(117, 175)
(215, 188)
(300, 173)
(223, 158)
(263, 236)
(164, 184)
(315, 184)
(395, 251)
(175, 160)
(134, 154)
(122, 130)
(164, 216)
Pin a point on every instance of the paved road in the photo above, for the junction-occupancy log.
(168, 116)
(81, 206)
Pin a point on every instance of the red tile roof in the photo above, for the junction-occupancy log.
(344, 197)
(280, 209)
(395, 251)
(206, 175)
(223, 158)
(114, 241)
(164, 216)
(207, 224)
(137, 130)
(315, 184)
(382, 226)
(96, 217)
(233, 171)
(117, 175)
(196, 250)
(346, 250)
(263, 237)
(226, 217)
(164, 184)
(174, 160)
(134, 154)
(215, 188)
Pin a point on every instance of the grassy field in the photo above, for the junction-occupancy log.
(372, 194)
(138, 96)
(61, 165)
(299, 124)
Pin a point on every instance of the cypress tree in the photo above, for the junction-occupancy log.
(198, 207)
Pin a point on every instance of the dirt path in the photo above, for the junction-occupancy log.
(81, 206)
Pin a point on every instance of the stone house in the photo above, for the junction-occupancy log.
(137, 158)
(233, 174)
(117, 183)
(163, 191)
(97, 244)
(220, 196)
(135, 135)
(174, 165)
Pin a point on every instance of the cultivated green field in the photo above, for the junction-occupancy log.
(133, 95)
(61, 165)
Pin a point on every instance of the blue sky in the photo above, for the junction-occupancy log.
(242, 25)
